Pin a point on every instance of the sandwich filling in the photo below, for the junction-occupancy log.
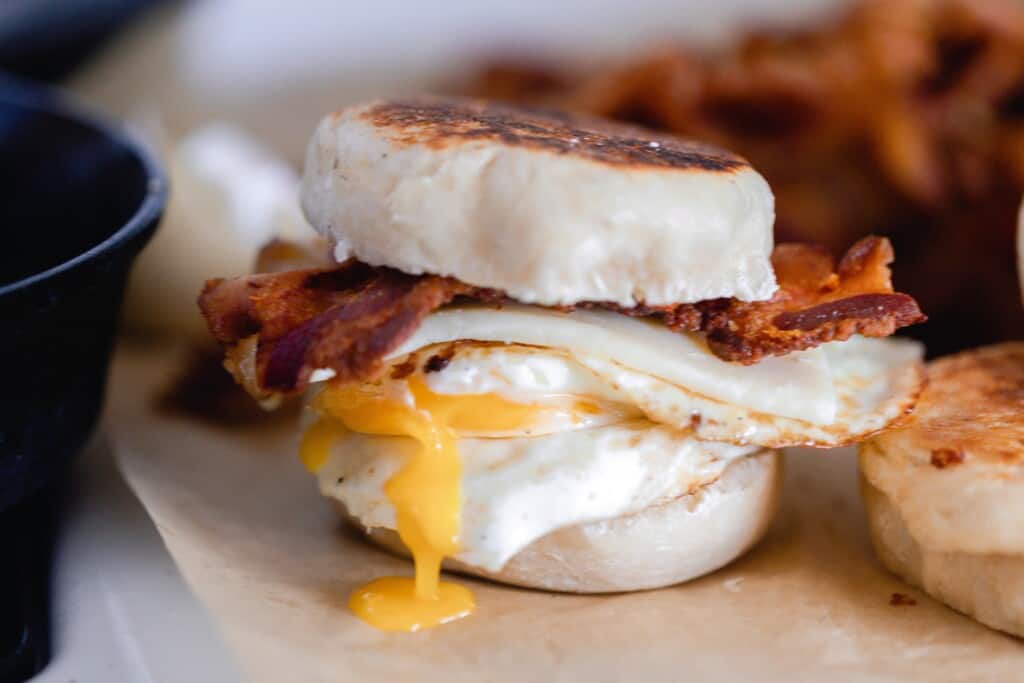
(351, 316)
(473, 425)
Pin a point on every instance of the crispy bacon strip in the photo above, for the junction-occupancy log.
(815, 303)
(349, 317)
(346, 318)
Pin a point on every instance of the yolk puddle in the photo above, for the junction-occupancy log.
(425, 492)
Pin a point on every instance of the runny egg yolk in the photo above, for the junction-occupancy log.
(425, 492)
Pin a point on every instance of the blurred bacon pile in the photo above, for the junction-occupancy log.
(904, 118)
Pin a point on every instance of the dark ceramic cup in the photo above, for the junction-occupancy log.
(78, 201)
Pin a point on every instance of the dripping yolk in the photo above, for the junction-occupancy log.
(425, 492)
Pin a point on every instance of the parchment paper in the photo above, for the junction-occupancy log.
(271, 562)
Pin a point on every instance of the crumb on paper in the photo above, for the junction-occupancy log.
(902, 600)
(733, 585)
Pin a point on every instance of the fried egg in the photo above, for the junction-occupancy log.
(493, 426)
(622, 367)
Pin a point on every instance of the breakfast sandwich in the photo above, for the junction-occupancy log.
(945, 492)
(554, 351)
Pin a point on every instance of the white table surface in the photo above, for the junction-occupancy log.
(122, 613)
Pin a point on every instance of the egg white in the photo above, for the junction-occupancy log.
(797, 385)
(515, 490)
